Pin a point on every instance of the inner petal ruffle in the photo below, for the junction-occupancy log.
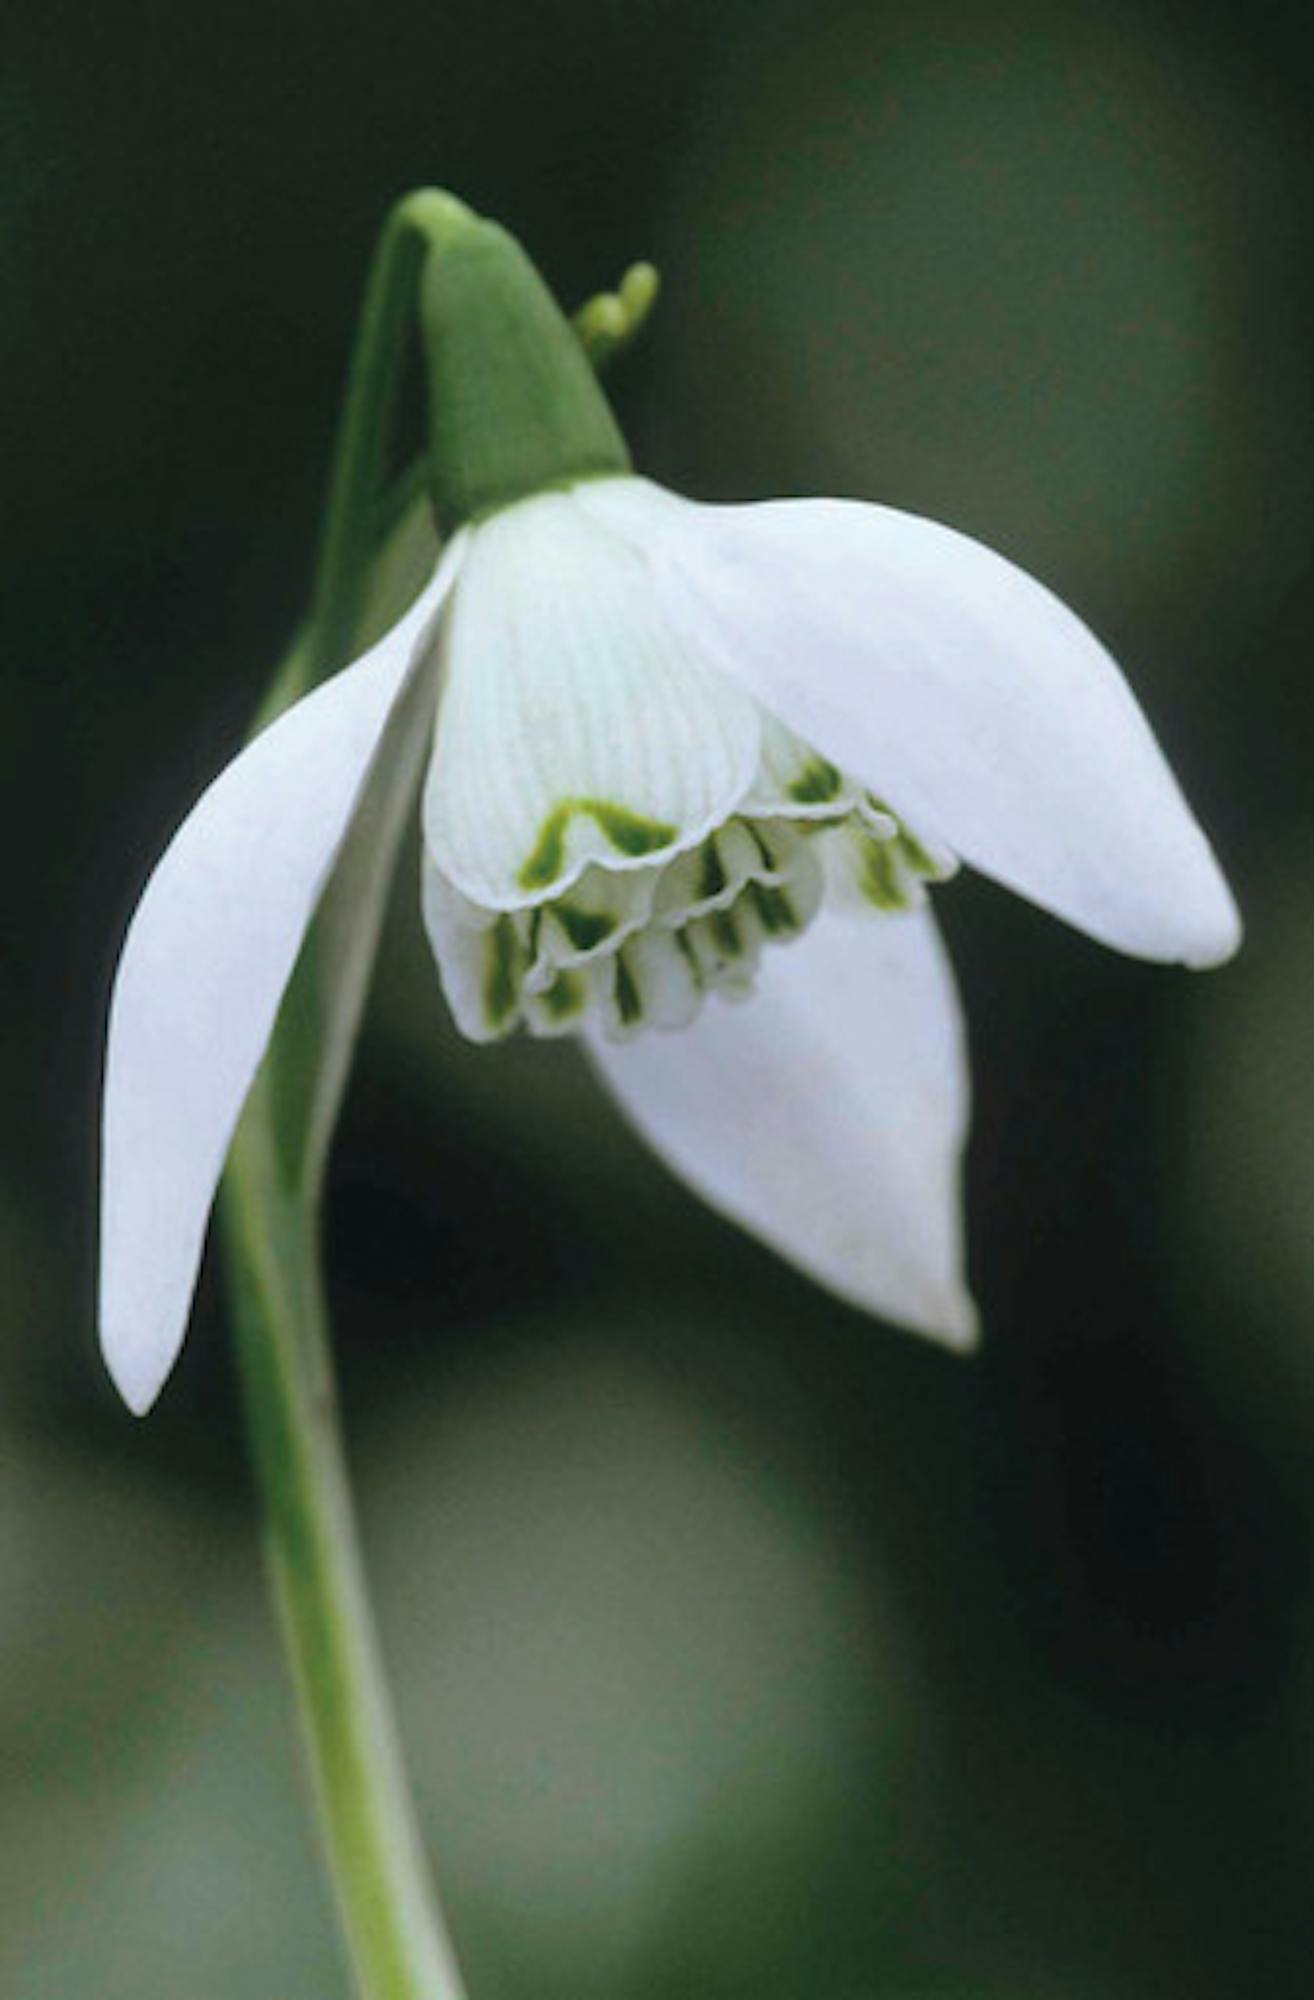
(636, 950)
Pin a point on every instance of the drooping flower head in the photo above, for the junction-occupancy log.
(681, 756)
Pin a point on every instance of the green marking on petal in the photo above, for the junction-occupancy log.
(816, 784)
(629, 1001)
(759, 841)
(501, 987)
(568, 994)
(779, 917)
(916, 855)
(711, 873)
(881, 882)
(629, 833)
(586, 929)
(726, 933)
(909, 848)
(685, 943)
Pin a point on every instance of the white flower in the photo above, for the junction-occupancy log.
(683, 754)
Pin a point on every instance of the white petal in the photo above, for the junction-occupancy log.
(575, 726)
(827, 1114)
(207, 956)
(958, 688)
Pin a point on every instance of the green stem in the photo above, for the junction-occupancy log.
(396, 1938)
(394, 1931)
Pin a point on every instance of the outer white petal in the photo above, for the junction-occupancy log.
(207, 957)
(959, 689)
(576, 725)
(827, 1114)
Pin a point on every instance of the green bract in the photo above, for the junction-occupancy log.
(515, 405)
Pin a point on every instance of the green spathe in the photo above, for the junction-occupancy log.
(515, 406)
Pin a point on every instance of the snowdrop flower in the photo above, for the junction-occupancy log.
(692, 770)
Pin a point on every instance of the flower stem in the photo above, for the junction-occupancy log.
(375, 551)
(395, 1935)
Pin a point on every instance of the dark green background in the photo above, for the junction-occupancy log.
(745, 1648)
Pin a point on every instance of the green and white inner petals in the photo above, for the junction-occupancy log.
(643, 949)
(634, 950)
(574, 729)
(612, 830)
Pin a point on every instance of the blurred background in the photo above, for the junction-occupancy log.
(744, 1647)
